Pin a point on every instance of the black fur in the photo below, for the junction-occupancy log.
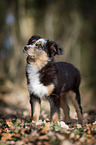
(53, 48)
(65, 77)
(48, 73)
(33, 39)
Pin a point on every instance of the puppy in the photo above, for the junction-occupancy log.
(50, 79)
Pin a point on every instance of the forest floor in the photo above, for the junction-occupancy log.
(16, 127)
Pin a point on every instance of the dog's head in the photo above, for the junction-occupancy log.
(40, 48)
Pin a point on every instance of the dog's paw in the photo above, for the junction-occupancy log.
(55, 117)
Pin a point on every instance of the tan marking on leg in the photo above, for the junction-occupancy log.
(76, 105)
(50, 89)
(36, 113)
(64, 106)
(55, 117)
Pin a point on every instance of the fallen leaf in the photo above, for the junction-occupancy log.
(8, 123)
(43, 137)
(89, 132)
(39, 143)
(72, 136)
(46, 128)
(79, 126)
(19, 143)
(40, 122)
(50, 133)
(46, 143)
(63, 125)
(60, 137)
(66, 142)
(82, 139)
(1, 130)
(6, 136)
(68, 132)
(77, 136)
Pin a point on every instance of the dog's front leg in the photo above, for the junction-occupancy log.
(55, 108)
(35, 107)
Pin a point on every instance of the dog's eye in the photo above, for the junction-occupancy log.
(38, 44)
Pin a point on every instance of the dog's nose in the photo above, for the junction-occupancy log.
(26, 47)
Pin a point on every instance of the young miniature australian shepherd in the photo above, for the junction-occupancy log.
(52, 80)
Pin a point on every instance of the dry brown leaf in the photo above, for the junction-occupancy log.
(89, 136)
(82, 139)
(50, 133)
(68, 132)
(6, 136)
(46, 143)
(8, 123)
(66, 142)
(72, 136)
(43, 137)
(46, 128)
(19, 143)
(23, 131)
(39, 143)
(77, 137)
(89, 131)
(1, 130)
(32, 137)
(24, 139)
(88, 140)
(60, 137)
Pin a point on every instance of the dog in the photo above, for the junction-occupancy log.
(50, 79)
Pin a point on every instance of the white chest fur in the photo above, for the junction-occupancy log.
(35, 86)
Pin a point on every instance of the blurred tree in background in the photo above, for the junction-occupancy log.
(72, 24)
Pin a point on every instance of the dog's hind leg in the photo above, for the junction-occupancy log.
(76, 105)
(65, 107)
(78, 99)
(35, 107)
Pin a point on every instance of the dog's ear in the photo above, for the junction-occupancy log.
(33, 39)
(54, 48)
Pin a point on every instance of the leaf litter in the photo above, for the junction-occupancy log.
(19, 131)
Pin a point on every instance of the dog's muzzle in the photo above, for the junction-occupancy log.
(25, 50)
(27, 47)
